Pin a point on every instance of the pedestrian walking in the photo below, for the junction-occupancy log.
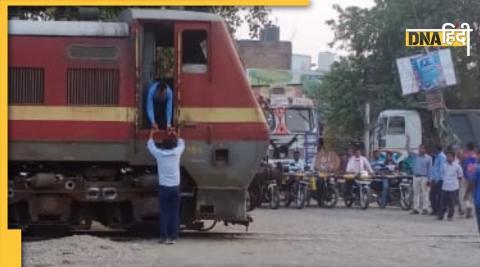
(452, 174)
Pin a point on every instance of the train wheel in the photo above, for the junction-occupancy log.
(210, 227)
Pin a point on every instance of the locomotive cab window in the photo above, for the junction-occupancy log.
(194, 51)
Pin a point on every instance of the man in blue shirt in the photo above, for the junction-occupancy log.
(474, 186)
(437, 179)
(165, 97)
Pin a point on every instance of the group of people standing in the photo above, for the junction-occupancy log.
(442, 183)
(448, 181)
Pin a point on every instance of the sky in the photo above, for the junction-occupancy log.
(305, 26)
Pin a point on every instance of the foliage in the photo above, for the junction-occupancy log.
(255, 17)
(373, 38)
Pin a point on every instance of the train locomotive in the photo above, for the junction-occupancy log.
(78, 130)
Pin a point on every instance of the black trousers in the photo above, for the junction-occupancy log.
(169, 209)
(436, 196)
(447, 203)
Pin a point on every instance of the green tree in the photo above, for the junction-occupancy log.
(255, 17)
(374, 39)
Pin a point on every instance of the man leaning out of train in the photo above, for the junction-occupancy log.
(167, 154)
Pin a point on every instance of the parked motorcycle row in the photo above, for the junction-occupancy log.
(326, 189)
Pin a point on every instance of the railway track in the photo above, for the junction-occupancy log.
(122, 235)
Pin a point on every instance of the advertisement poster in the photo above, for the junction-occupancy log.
(428, 71)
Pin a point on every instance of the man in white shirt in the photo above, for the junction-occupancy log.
(168, 165)
(358, 164)
(452, 174)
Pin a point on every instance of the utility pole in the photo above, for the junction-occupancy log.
(366, 134)
(439, 114)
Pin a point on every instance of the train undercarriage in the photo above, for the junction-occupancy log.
(71, 197)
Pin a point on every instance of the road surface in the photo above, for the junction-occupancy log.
(283, 237)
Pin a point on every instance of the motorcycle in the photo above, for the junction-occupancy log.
(406, 192)
(297, 190)
(356, 190)
(324, 190)
(273, 194)
(400, 191)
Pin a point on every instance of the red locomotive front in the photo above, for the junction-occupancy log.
(77, 125)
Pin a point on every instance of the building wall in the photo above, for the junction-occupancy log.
(301, 62)
(325, 60)
(265, 54)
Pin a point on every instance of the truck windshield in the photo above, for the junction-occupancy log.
(299, 120)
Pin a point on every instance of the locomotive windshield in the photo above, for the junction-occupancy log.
(299, 119)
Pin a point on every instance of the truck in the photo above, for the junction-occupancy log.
(293, 126)
(393, 126)
(292, 122)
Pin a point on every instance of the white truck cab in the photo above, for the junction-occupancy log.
(392, 129)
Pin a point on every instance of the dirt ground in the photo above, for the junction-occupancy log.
(283, 237)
